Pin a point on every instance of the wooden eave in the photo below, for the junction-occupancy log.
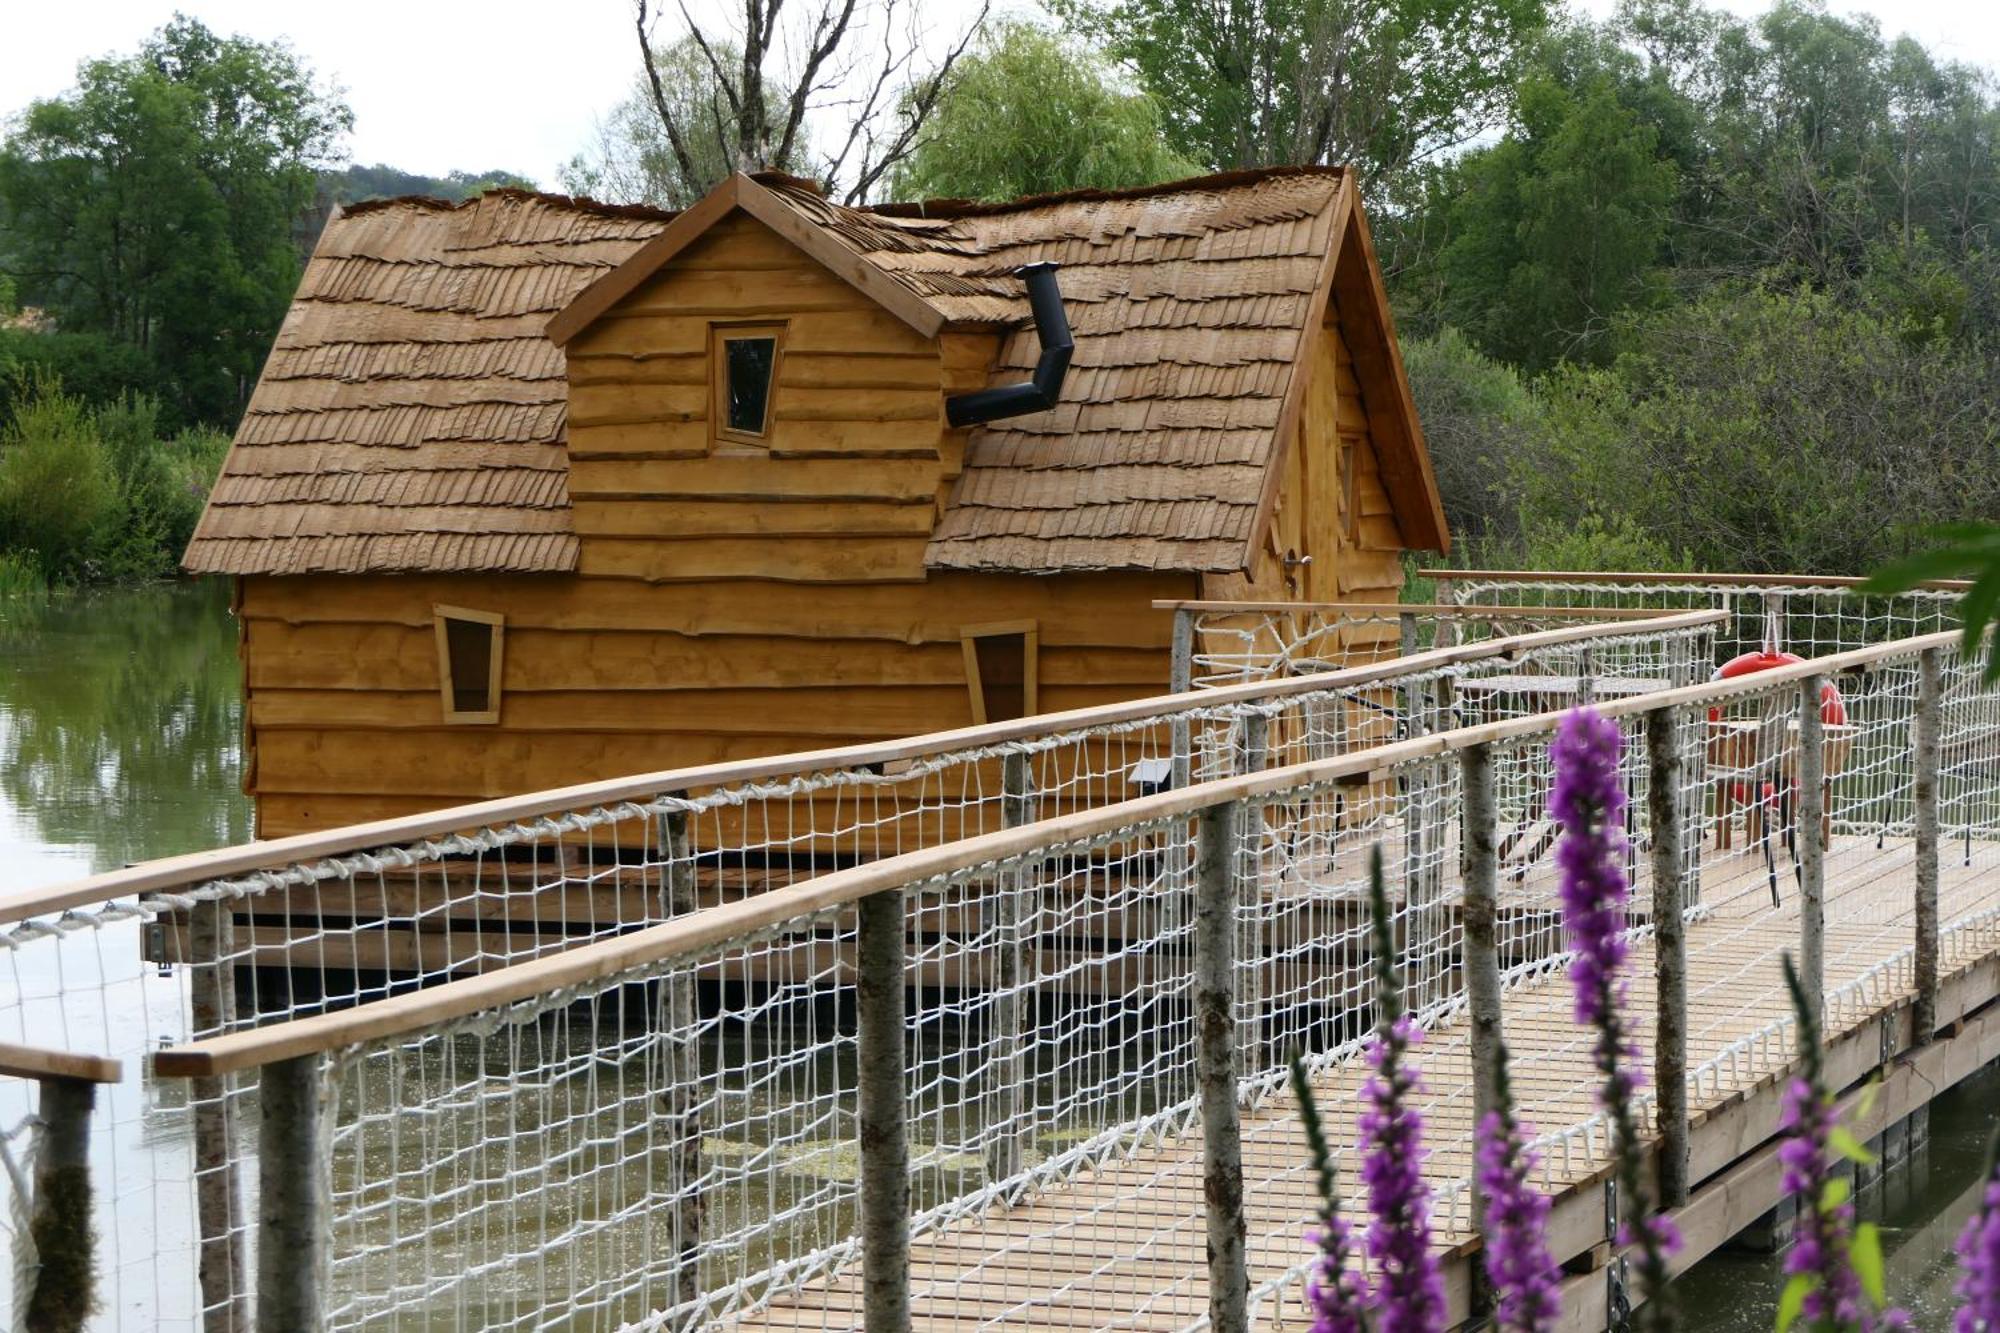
(1370, 331)
(1350, 285)
(741, 192)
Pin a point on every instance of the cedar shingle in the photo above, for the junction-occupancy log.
(412, 414)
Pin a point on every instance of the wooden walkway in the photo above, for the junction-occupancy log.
(1123, 1247)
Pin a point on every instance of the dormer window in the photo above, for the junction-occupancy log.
(743, 368)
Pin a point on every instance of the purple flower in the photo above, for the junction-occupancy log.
(1979, 1259)
(1825, 1263)
(1335, 1290)
(1587, 800)
(1409, 1286)
(1527, 1294)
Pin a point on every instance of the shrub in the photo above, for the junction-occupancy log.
(58, 491)
(96, 495)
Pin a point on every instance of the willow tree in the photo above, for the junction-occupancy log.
(1378, 83)
(1030, 113)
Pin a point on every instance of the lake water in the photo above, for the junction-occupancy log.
(121, 740)
(121, 723)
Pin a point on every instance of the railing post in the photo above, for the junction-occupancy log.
(683, 1102)
(212, 1003)
(1180, 681)
(1774, 624)
(1216, 1063)
(1480, 818)
(1811, 846)
(291, 1170)
(1011, 1125)
(880, 1110)
(1665, 809)
(1929, 740)
(1447, 630)
(63, 1291)
(1256, 756)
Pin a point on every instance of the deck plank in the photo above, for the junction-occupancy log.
(1124, 1245)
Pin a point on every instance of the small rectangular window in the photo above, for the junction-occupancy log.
(743, 365)
(469, 644)
(1000, 669)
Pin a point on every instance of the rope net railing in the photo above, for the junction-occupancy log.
(674, 1141)
(282, 936)
(1231, 643)
(1787, 613)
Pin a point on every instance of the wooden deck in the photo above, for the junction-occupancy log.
(1123, 1247)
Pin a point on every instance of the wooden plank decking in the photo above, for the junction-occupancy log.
(1123, 1247)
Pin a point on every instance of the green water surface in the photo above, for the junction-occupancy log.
(121, 724)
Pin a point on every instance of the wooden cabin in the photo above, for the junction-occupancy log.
(535, 490)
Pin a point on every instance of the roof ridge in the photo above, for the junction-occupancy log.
(578, 203)
(942, 209)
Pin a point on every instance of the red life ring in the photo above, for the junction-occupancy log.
(1832, 708)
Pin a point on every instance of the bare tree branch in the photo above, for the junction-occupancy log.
(827, 37)
(761, 123)
(675, 138)
(923, 100)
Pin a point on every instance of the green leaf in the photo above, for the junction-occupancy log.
(1793, 1301)
(1838, 1191)
(1866, 1256)
(1843, 1142)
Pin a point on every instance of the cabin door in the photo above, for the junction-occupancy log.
(1308, 520)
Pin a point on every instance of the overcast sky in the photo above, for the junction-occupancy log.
(438, 85)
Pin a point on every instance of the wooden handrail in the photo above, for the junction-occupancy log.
(1467, 611)
(1680, 579)
(414, 1011)
(33, 1062)
(222, 863)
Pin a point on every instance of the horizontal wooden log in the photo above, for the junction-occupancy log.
(399, 657)
(1110, 610)
(683, 520)
(798, 559)
(604, 403)
(798, 711)
(865, 330)
(756, 479)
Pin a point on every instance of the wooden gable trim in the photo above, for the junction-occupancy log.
(1295, 393)
(740, 192)
(1362, 308)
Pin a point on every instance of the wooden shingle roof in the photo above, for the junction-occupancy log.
(411, 414)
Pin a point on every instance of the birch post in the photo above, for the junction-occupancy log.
(1254, 758)
(291, 1184)
(1929, 740)
(1012, 1121)
(1180, 681)
(1482, 950)
(63, 1291)
(212, 1004)
(1217, 1064)
(881, 1109)
(1811, 844)
(683, 1102)
(1664, 809)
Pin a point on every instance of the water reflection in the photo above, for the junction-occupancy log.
(1920, 1210)
(120, 730)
